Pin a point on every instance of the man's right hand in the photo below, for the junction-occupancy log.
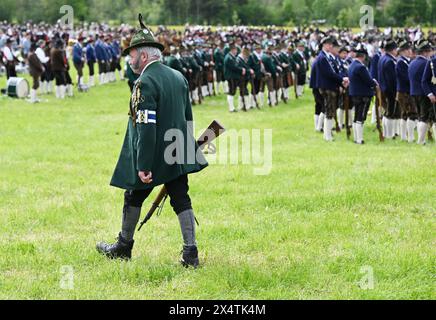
(146, 177)
(432, 98)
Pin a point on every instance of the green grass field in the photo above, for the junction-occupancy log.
(327, 220)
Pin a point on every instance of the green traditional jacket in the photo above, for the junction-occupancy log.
(158, 138)
(218, 57)
(255, 63)
(131, 76)
(269, 64)
(175, 64)
(244, 65)
(232, 70)
(299, 60)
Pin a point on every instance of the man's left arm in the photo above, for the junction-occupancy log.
(146, 121)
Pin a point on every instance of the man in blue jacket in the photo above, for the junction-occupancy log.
(110, 67)
(102, 58)
(388, 85)
(403, 87)
(328, 81)
(78, 59)
(426, 98)
(373, 70)
(319, 100)
(429, 86)
(361, 91)
(90, 59)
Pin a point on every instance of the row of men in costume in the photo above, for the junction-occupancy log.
(229, 68)
(105, 51)
(49, 63)
(402, 72)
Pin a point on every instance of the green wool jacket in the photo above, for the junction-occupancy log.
(218, 57)
(232, 70)
(269, 64)
(175, 64)
(159, 105)
(298, 59)
(255, 64)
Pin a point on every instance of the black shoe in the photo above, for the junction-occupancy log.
(121, 249)
(190, 257)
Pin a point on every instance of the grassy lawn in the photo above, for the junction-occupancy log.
(325, 220)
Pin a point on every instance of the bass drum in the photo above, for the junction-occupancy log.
(17, 88)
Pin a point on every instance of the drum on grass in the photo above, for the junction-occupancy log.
(17, 88)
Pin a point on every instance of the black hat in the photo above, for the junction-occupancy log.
(344, 49)
(423, 45)
(328, 39)
(361, 49)
(404, 44)
(390, 45)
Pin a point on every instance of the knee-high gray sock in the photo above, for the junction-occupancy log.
(187, 225)
(130, 220)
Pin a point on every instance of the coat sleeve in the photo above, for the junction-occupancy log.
(426, 79)
(365, 75)
(146, 121)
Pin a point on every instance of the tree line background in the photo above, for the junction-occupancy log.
(341, 13)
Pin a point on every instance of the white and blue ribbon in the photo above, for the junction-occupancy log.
(146, 116)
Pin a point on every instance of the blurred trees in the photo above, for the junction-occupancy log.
(344, 13)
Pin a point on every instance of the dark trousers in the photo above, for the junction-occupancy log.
(427, 110)
(60, 78)
(35, 79)
(91, 68)
(330, 102)
(219, 75)
(243, 90)
(392, 110)
(361, 107)
(79, 68)
(319, 101)
(10, 70)
(177, 190)
(233, 85)
(102, 67)
(256, 88)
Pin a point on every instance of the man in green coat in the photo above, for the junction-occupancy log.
(159, 147)
(218, 57)
(301, 67)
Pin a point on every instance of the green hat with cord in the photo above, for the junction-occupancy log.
(143, 38)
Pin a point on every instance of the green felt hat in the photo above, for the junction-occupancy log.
(143, 38)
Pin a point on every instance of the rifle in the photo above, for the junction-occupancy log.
(198, 86)
(347, 117)
(336, 122)
(378, 101)
(214, 130)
